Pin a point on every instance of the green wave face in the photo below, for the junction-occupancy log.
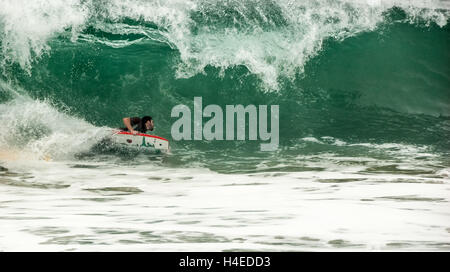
(337, 69)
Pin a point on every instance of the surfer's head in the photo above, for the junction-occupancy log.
(147, 123)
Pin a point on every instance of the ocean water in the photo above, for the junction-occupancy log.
(363, 88)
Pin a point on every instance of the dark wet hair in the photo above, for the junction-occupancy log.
(145, 119)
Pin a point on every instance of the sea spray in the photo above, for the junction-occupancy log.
(272, 39)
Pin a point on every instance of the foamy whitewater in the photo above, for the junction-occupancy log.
(363, 91)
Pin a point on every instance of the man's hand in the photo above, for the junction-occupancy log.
(127, 123)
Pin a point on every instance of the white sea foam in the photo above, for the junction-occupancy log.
(104, 207)
(27, 26)
(270, 38)
(36, 128)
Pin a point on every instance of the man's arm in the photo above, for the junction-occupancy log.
(127, 123)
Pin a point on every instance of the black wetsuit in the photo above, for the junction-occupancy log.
(136, 124)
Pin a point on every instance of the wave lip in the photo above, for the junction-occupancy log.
(270, 38)
(27, 26)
